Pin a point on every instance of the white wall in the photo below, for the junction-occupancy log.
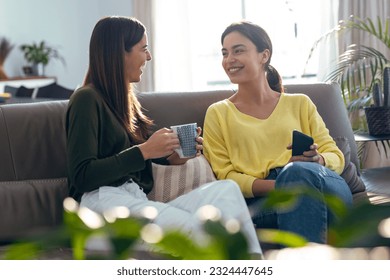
(63, 24)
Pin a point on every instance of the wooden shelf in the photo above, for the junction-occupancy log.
(28, 81)
(20, 78)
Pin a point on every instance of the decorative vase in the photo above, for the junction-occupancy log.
(38, 69)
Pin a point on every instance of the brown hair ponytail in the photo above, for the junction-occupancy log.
(274, 79)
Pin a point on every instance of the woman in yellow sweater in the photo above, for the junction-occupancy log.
(247, 137)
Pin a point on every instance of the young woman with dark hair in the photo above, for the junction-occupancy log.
(110, 147)
(247, 138)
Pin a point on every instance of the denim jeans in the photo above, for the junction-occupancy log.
(310, 217)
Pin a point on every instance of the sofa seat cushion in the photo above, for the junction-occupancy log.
(372, 198)
(377, 180)
(30, 205)
(171, 181)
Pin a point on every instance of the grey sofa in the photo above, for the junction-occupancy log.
(33, 170)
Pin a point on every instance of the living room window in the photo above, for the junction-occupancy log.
(186, 48)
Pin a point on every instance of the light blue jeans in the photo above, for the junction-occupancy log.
(310, 217)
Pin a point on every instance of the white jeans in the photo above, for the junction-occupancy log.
(180, 213)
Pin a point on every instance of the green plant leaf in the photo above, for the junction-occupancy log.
(286, 199)
(40, 53)
(176, 245)
(123, 234)
(284, 238)
(232, 246)
(219, 244)
(22, 251)
(359, 227)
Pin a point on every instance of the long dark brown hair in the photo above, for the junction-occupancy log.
(111, 38)
(259, 37)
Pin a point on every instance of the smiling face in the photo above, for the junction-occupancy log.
(241, 60)
(136, 59)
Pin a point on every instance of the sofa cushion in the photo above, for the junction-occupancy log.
(30, 205)
(171, 181)
(35, 139)
(54, 90)
(24, 92)
(349, 173)
(377, 180)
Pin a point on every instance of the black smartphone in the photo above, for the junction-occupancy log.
(300, 143)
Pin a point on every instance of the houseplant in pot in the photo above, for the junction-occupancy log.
(360, 66)
(378, 114)
(39, 55)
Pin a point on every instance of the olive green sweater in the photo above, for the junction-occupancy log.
(99, 150)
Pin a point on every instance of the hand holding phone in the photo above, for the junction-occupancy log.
(300, 143)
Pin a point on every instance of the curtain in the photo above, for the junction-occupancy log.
(364, 9)
(172, 35)
(168, 28)
(329, 51)
(144, 11)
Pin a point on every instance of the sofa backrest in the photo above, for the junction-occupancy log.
(33, 142)
(171, 108)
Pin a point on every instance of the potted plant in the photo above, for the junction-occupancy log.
(359, 67)
(39, 55)
(5, 48)
(378, 113)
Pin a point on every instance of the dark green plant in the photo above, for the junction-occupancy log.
(40, 53)
(357, 226)
(359, 66)
(353, 227)
(123, 233)
(361, 227)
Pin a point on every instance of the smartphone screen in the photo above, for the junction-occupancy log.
(300, 143)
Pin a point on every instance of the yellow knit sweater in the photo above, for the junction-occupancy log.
(243, 148)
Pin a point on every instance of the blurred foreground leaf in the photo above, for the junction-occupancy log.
(285, 200)
(359, 227)
(284, 238)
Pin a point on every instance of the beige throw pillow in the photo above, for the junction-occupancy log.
(171, 181)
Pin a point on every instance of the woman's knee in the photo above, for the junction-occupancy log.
(302, 168)
(314, 176)
(302, 173)
(223, 187)
(229, 185)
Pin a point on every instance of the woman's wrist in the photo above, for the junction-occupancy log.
(261, 187)
(174, 159)
(143, 150)
(321, 160)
